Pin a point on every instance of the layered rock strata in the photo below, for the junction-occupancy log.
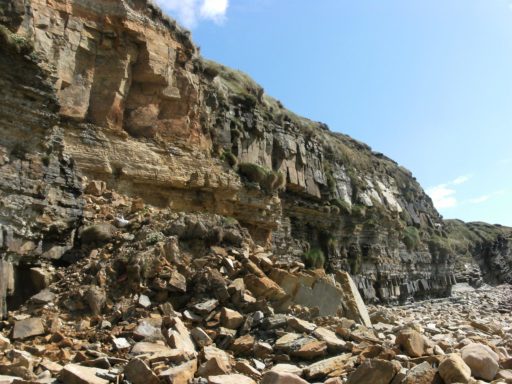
(121, 97)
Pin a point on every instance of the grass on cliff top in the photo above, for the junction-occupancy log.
(465, 234)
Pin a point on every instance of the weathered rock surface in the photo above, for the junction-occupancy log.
(126, 107)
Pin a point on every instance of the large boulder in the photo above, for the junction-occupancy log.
(482, 360)
(454, 370)
(411, 342)
(374, 371)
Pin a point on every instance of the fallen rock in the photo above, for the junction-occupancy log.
(354, 304)
(273, 377)
(138, 372)
(412, 342)
(422, 373)
(230, 318)
(454, 370)
(77, 374)
(230, 379)
(323, 368)
(180, 374)
(374, 371)
(28, 328)
(482, 360)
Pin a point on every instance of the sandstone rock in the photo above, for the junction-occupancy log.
(230, 379)
(454, 370)
(311, 349)
(412, 342)
(213, 367)
(301, 325)
(43, 297)
(230, 318)
(334, 343)
(422, 373)
(323, 368)
(143, 348)
(77, 374)
(246, 368)
(206, 307)
(180, 374)
(374, 371)
(354, 304)
(178, 336)
(505, 375)
(178, 282)
(482, 360)
(287, 368)
(200, 337)
(138, 372)
(273, 377)
(28, 328)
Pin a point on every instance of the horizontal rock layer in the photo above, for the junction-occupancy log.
(118, 94)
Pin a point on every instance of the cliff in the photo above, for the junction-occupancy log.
(109, 101)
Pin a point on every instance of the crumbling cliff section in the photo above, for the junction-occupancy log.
(135, 106)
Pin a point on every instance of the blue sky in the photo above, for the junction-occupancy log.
(428, 83)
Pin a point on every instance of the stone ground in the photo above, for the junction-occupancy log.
(171, 298)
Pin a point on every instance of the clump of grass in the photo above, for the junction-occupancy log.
(269, 180)
(342, 205)
(314, 259)
(229, 158)
(15, 42)
(411, 238)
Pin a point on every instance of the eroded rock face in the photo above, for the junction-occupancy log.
(128, 104)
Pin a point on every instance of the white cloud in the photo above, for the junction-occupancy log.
(442, 196)
(461, 180)
(214, 10)
(190, 12)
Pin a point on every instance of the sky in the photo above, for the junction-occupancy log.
(426, 82)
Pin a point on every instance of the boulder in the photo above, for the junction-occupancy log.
(422, 373)
(231, 319)
(324, 367)
(77, 374)
(180, 374)
(273, 377)
(412, 342)
(28, 328)
(454, 370)
(138, 372)
(374, 371)
(354, 306)
(482, 360)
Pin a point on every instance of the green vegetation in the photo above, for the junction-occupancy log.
(411, 238)
(269, 180)
(229, 158)
(154, 237)
(314, 259)
(241, 88)
(14, 42)
(440, 245)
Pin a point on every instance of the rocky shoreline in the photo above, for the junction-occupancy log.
(146, 309)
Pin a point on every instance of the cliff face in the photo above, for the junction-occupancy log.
(115, 95)
(484, 252)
